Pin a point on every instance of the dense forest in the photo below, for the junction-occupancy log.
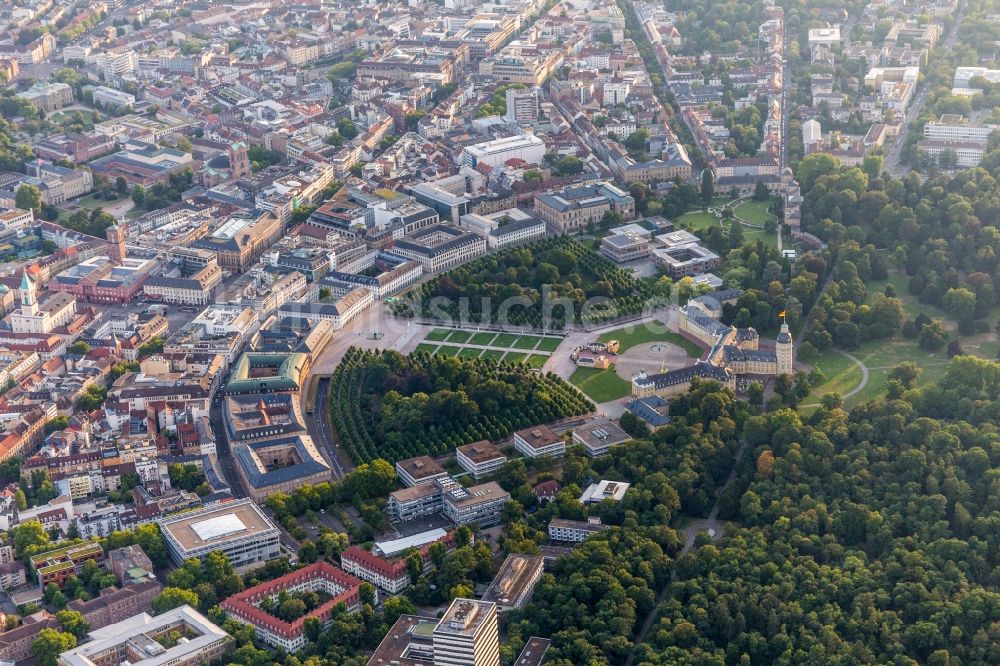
(868, 537)
(387, 405)
(532, 286)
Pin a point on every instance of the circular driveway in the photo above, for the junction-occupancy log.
(651, 357)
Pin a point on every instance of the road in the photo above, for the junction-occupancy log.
(319, 428)
(892, 159)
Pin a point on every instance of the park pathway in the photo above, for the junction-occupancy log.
(864, 373)
(690, 532)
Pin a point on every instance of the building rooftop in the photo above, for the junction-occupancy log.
(408, 643)
(216, 525)
(515, 581)
(604, 490)
(464, 617)
(539, 437)
(480, 452)
(419, 468)
(135, 640)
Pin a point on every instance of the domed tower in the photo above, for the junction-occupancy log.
(783, 350)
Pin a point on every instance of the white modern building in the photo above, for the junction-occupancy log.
(525, 147)
(467, 635)
(480, 459)
(140, 641)
(539, 442)
(240, 530)
(575, 531)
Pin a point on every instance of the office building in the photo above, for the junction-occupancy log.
(415, 471)
(515, 582)
(598, 439)
(479, 505)
(574, 531)
(527, 148)
(238, 529)
(440, 247)
(409, 642)
(280, 465)
(623, 248)
(604, 490)
(56, 566)
(467, 635)
(539, 442)
(522, 105)
(141, 640)
(480, 459)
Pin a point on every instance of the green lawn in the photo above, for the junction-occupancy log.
(842, 375)
(447, 350)
(754, 212)
(549, 344)
(484, 338)
(492, 353)
(515, 357)
(631, 336)
(505, 340)
(600, 385)
(459, 337)
(697, 220)
(526, 342)
(470, 353)
(437, 335)
(430, 349)
(536, 360)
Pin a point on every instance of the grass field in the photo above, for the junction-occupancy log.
(459, 337)
(600, 385)
(536, 360)
(637, 335)
(697, 220)
(549, 344)
(470, 353)
(494, 354)
(842, 375)
(430, 349)
(505, 340)
(483, 338)
(515, 357)
(437, 335)
(447, 350)
(526, 342)
(754, 212)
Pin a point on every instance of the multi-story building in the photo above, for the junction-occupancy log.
(514, 583)
(574, 531)
(422, 469)
(341, 588)
(110, 98)
(188, 276)
(522, 105)
(415, 502)
(574, 208)
(391, 574)
(415, 61)
(139, 640)
(56, 566)
(280, 465)
(47, 97)
(539, 442)
(440, 247)
(118, 604)
(339, 314)
(238, 529)
(477, 505)
(467, 635)
(144, 164)
(241, 240)
(623, 248)
(600, 438)
(526, 147)
(480, 459)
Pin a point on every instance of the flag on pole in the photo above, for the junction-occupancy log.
(781, 314)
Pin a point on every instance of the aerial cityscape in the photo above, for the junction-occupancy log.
(469, 333)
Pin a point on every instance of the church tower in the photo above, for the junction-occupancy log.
(115, 236)
(29, 299)
(783, 350)
(239, 160)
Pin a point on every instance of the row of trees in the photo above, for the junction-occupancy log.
(384, 404)
(550, 283)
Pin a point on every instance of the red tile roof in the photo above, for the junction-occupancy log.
(243, 605)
